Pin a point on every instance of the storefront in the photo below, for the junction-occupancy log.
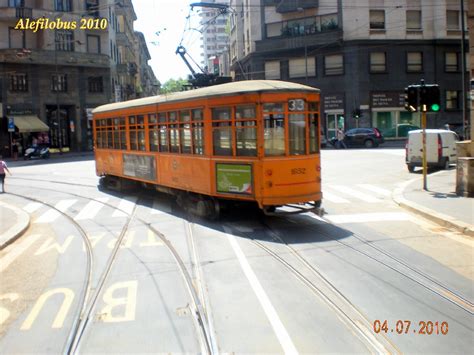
(388, 114)
(29, 131)
(333, 106)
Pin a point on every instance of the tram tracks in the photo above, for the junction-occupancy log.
(89, 300)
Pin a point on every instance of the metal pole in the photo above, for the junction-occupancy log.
(463, 74)
(58, 120)
(425, 165)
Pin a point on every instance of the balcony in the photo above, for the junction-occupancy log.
(122, 39)
(303, 26)
(48, 57)
(14, 13)
(286, 6)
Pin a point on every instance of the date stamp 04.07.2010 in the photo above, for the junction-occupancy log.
(405, 327)
(60, 24)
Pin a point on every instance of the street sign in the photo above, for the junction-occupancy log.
(11, 124)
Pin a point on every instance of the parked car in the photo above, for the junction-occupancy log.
(363, 137)
(440, 148)
(401, 130)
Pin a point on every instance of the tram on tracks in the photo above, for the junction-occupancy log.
(249, 141)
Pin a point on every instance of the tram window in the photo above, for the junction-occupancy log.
(123, 140)
(185, 138)
(274, 134)
(246, 141)
(116, 140)
(222, 141)
(297, 133)
(141, 140)
(172, 116)
(162, 117)
(132, 120)
(197, 114)
(164, 139)
(174, 139)
(272, 107)
(133, 140)
(184, 116)
(152, 118)
(221, 113)
(313, 133)
(243, 112)
(198, 137)
(141, 120)
(98, 142)
(313, 106)
(110, 141)
(153, 137)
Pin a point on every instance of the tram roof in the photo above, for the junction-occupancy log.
(239, 87)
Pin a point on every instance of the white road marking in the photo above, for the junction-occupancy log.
(125, 207)
(20, 247)
(32, 207)
(369, 217)
(63, 205)
(376, 189)
(51, 215)
(333, 198)
(90, 210)
(354, 193)
(278, 327)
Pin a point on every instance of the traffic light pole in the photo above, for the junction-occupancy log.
(425, 164)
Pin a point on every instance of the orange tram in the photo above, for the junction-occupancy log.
(254, 141)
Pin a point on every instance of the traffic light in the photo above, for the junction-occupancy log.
(411, 98)
(356, 113)
(430, 96)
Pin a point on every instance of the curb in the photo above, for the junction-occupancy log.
(439, 218)
(18, 229)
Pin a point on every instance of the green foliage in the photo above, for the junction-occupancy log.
(173, 85)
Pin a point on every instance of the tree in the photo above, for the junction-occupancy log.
(173, 85)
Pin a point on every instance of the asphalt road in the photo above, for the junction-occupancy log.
(368, 277)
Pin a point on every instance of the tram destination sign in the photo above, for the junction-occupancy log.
(234, 178)
(139, 166)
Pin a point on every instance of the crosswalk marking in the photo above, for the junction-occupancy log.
(63, 205)
(90, 210)
(333, 198)
(368, 217)
(376, 189)
(51, 215)
(32, 206)
(354, 193)
(125, 207)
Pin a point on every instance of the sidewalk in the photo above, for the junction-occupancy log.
(440, 203)
(13, 222)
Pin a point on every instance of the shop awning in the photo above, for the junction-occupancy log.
(30, 123)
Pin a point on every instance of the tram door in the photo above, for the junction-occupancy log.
(333, 122)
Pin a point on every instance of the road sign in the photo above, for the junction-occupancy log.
(11, 124)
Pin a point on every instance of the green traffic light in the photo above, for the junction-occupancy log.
(435, 107)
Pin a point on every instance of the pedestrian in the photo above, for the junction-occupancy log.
(3, 169)
(15, 149)
(447, 127)
(340, 139)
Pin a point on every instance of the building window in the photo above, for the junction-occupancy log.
(272, 70)
(302, 67)
(18, 82)
(59, 83)
(377, 19)
(16, 3)
(334, 64)
(63, 5)
(92, 8)
(413, 20)
(451, 62)
(378, 62)
(93, 44)
(95, 84)
(64, 41)
(452, 100)
(452, 20)
(414, 61)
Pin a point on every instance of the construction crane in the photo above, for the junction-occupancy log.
(199, 80)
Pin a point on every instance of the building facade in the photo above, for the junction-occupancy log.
(54, 74)
(360, 53)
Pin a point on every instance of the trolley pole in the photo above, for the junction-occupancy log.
(425, 164)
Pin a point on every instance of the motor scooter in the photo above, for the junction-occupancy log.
(36, 152)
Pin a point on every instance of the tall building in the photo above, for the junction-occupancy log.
(214, 36)
(59, 59)
(360, 53)
(147, 84)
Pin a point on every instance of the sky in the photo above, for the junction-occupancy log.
(168, 19)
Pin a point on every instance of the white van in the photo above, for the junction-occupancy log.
(440, 148)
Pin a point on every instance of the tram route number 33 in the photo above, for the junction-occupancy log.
(403, 327)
